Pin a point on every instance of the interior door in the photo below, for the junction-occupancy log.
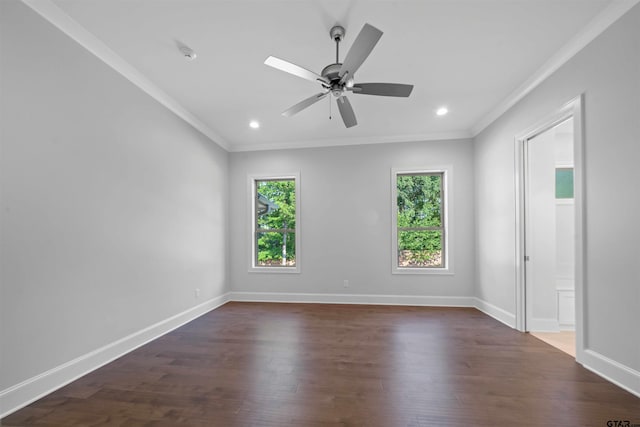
(540, 233)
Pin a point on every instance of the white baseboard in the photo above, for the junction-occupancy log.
(497, 313)
(567, 326)
(417, 300)
(543, 325)
(20, 395)
(617, 373)
(32, 389)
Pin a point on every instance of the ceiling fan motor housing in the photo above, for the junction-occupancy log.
(331, 73)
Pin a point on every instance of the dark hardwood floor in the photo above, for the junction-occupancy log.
(258, 364)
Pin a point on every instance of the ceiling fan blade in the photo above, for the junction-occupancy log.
(294, 69)
(360, 50)
(382, 89)
(304, 104)
(348, 116)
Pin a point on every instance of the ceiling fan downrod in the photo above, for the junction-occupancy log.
(337, 34)
(332, 71)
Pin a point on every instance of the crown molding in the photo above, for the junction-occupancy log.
(596, 27)
(363, 140)
(52, 13)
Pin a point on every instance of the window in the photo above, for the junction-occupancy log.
(564, 183)
(420, 227)
(274, 224)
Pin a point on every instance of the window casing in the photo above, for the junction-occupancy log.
(420, 221)
(274, 223)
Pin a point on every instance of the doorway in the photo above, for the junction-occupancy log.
(549, 229)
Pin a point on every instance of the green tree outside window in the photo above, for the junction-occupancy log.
(275, 223)
(420, 220)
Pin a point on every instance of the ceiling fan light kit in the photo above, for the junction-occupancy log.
(338, 78)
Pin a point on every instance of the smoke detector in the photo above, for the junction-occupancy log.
(187, 52)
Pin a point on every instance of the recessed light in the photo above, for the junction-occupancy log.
(254, 124)
(442, 111)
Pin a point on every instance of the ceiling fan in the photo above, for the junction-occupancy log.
(338, 78)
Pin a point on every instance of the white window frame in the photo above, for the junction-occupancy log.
(251, 185)
(447, 216)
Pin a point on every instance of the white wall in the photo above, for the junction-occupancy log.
(112, 208)
(345, 230)
(606, 71)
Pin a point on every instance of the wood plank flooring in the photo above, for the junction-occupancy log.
(259, 364)
(563, 340)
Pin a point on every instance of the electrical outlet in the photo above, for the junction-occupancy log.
(196, 292)
(345, 283)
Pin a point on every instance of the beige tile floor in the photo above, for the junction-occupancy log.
(563, 340)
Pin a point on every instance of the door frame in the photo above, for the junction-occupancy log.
(573, 108)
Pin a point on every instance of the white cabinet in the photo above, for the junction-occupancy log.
(566, 309)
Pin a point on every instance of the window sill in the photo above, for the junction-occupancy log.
(426, 271)
(277, 270)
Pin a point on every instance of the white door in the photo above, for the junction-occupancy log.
(549, 230)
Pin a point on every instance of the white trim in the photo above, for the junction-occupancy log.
(497, 313)
(408, 300)
(448, 215)
(251, 180)
(364, 140)
(580, 276)
(615, 372)
(312, 298)
(277, 270)
(592, 30)
(572, 109)
(417, 270)
(26, 392)
(543, 325)
(32, 389)
(52, 13)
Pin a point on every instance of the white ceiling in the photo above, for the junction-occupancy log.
(474, 56)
